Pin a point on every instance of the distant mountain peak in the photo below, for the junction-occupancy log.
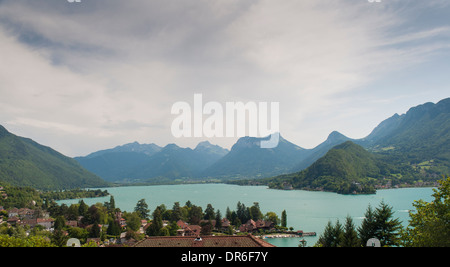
(255, 142)
(204, 144)
(207, 147)
(335, 135)
(247, 142)
(171, 146)
(3, 131)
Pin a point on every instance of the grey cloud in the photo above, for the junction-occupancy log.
(110, 66)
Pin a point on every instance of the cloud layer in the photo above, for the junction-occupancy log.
(85, 76)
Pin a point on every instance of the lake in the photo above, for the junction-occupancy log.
(306, 210)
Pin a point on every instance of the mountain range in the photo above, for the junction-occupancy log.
(415, 144)
(143, 162)
(421, 135)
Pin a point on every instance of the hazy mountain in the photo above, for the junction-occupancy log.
(115, 163)
(24, 162)
(247, 159)
(421, 136)
(150, 163)
(148, 149)
(113, 166)
(335, 138)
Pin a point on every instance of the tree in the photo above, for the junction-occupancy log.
(367, 229)
(77, 232)
(283, 219)
(142, 209)
(272, 217)
(429, 225)
(228, 214)
(380, 224)
(206, 228)
(72, 212)
(113, 228)
(218, 220)
(338, 232)
(350, 236)
(82, 208)
(164, 231)
(195, 214)
(111, 205)
(255, 212)
(95, 231)
(60, 222)
(387, 229)
(133, 221)
(156, 225)
(326, 239)
(173, 227)
(176, 212)
(209, 212)
(92, 216)
(241, 212)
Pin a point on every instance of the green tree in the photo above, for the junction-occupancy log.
(228, 214)
(350, 236)
(133, 221)
(176, 212)
(95, 231)
(164, 231)
(218, 220)
(72, 212)
(283, 219)
(113, 228)
(327, 238)
(206, 228)
(60, 223)
(429, 225)
(59, 238)
(111, 205)
(255, 212)
(387, 229)
(242, 212)
(173, 227)
(195, 215)
(142, 209)
(31, 241)
(156, 225)
(367, 229)
(380, 224)
(272, 217)
(77, 232)
(82, 208)
(209, 212)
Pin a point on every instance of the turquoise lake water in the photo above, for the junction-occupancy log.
(307, 211)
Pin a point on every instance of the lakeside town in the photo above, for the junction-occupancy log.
(103, 224)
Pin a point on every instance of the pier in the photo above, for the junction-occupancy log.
(289, 235)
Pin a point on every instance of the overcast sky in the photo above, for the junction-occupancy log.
(80, 77)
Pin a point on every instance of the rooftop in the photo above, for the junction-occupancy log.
(204, 241)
